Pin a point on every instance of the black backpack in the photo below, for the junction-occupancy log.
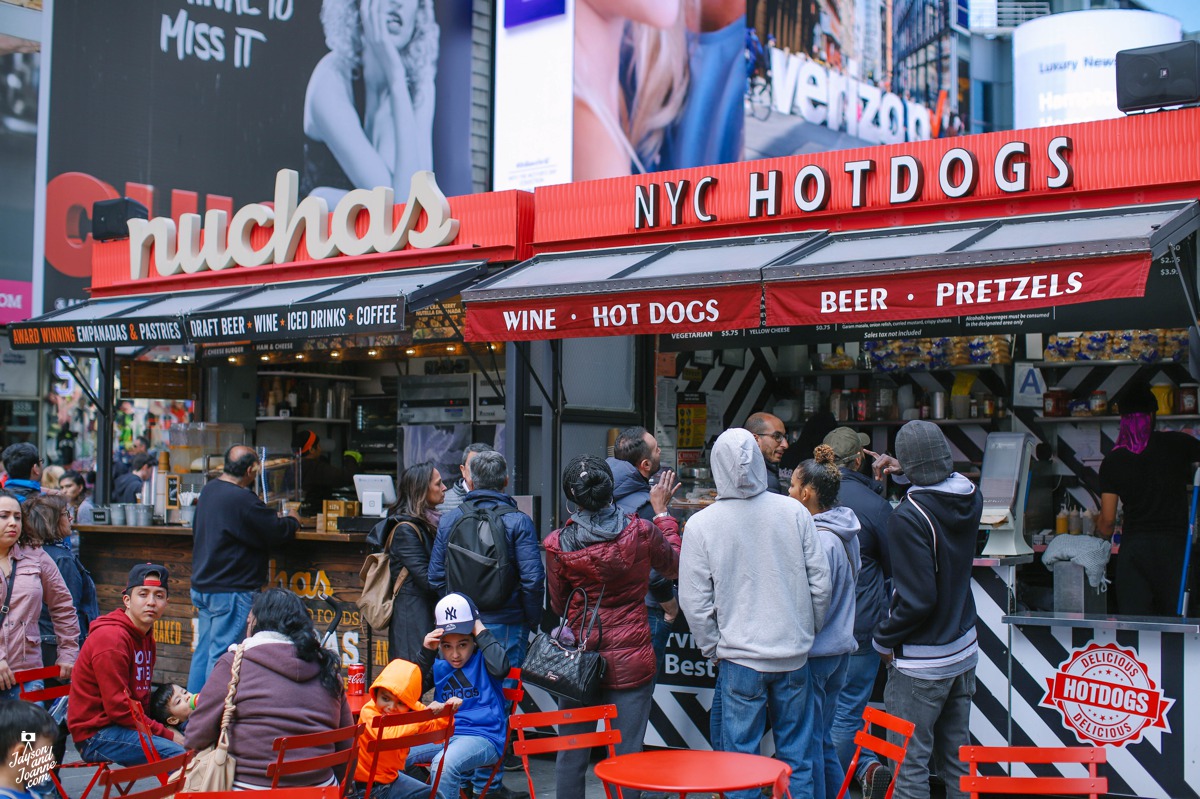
(477, 560)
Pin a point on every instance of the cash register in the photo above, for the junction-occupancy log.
(1005, 486)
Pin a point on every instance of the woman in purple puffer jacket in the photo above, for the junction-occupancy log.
(601, 547)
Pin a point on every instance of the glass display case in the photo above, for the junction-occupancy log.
(279, 479)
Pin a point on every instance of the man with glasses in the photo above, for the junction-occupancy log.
(771, 436)
(24, 467)
(232, 537)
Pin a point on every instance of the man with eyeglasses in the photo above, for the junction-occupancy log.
(771, 436)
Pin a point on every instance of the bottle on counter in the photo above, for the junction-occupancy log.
(1074, 523)
(1061, 521)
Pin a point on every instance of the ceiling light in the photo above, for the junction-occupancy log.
(264, 357)
(372, 353)
(410, 351)
(233, 359)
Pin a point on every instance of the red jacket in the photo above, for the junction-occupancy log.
(116, 657)
(621, 563)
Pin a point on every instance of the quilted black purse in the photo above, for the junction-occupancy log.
(567, 670)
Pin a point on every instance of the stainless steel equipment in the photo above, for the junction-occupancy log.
(436, 399)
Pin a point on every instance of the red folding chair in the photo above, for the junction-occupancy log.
(324, 792)
(347, 758)
(142, 725)
(782, 787)
(1092, 785)
(513, 696)
(386, 721)
(49, 694)
(864, 739)
(170, 772)
(559, 743)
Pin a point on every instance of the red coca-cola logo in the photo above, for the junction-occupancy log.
(1106, 696)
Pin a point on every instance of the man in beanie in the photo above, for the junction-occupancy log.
(118, 659)
(864, 496)
(928, 638)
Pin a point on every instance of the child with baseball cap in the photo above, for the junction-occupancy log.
(470, 670)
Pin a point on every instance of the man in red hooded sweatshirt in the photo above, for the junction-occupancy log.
(118, 656)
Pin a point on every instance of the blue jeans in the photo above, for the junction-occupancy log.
(826, 676)
(464, 755)
(852, 701)
(660, 631)
(121, 745)
(405, 787)
(941, 711)
(747, 697)
(714, 714)
(221, 624)
(15, 691)
(515, 638)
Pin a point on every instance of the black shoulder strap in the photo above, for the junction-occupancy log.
(12, 578)
(845, 546)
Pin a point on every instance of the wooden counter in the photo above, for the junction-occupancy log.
(316, 567)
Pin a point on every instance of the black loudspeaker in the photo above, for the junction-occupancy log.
(110, 218)
(1158, 76)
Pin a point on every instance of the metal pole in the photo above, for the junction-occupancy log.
(104, 438)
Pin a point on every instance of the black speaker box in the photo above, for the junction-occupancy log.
(110, 218)
(1158, 76)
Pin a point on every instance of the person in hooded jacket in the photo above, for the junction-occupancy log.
(420, 491)
(864, 496)
(815, 484)
(601, 548)
(928, 639)
(636, 457)
(288, 685)
(754, 585)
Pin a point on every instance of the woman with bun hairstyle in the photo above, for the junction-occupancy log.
(288, 685)
(815, 485)
(601, 548)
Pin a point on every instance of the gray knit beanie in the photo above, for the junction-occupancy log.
(923, 453)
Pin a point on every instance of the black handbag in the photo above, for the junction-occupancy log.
(567, 670)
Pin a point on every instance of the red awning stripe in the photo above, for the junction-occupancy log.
(687, 310)
(923, 294)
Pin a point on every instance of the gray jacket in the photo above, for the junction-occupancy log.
(837, 530)
(754, 582)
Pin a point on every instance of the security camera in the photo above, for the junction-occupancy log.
(28, 737)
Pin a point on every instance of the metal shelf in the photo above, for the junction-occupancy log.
(1078, 419)
(306, 419)
(1073, 364)
(314, 375)
(973, 367)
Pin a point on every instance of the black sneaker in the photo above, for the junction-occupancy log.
(513, 763)
(503, 792)
(875, 781)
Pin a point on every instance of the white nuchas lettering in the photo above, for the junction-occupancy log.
(1014, 289)
(289, 220)
(852, 300)
(530, 319)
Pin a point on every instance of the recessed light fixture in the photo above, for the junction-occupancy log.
(410, 351)
(372, 353)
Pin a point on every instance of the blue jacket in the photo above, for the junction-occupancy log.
(524, 549)
(631, 494)
(483, 713)
(859, 493)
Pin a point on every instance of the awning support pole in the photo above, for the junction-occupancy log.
(471, 352)
(72, 366)
(104, 443)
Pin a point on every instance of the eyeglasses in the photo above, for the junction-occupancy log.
(778, 436)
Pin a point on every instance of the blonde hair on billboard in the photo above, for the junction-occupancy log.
(658, 67)
(342, 24)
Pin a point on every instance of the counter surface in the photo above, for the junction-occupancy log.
(175, 529)
(1101, 621)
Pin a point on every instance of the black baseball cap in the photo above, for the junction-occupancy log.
(150, 574)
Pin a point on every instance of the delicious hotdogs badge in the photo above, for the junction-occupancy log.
(1106, 696)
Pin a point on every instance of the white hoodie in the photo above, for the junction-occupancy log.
(754, 582)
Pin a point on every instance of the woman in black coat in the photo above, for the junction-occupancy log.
(420, 491)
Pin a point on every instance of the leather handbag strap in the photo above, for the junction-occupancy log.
(584, 633)
(235, 672)
(12, 578)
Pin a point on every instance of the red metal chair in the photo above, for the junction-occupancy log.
(1091, 785)
(783, 782)
(142, 724)
(513, 696)
(27, 676)
(347, 758)
(381, 743)
(559, 743)
(170, 771)
(325, 792)
(864, 739)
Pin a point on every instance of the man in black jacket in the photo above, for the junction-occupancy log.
(928, 638)
(862, 495)
(129, 485)
(232, 537)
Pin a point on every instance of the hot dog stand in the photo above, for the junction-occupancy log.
(291, 307)
(945, 267)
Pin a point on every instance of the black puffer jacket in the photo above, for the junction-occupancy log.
(412, 613)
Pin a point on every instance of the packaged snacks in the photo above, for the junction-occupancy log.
(1062, 347)
(1093, 346)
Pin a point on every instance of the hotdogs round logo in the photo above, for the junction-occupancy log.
(1106, 696)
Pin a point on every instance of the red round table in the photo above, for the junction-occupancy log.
(684, 771)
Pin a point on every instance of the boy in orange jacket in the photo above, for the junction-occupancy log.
(396, 690)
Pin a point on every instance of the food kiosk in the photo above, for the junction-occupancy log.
(293, 307)
(980, 270)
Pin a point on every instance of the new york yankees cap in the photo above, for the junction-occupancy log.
(454, 614)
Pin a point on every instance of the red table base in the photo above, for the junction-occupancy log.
(685, 771)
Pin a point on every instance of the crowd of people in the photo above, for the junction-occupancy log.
(787, 586)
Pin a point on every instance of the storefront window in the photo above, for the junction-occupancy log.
(598, 373)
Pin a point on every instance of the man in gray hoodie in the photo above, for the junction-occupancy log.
(754, 585)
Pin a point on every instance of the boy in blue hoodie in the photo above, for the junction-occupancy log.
(471, 668)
